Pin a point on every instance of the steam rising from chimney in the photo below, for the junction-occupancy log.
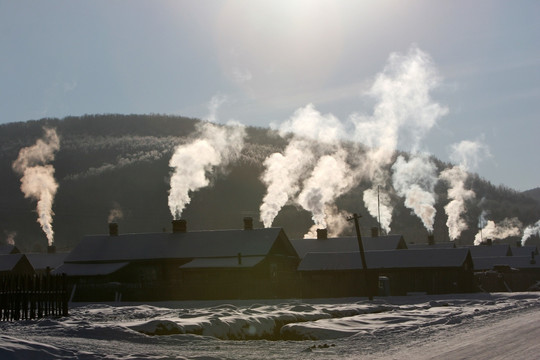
(507, 227)
(37, 180)
(458, 196)
(467, 154)
(10, 237)
(115, 214)
(403, 114)
(336, 223)
(330, 178)
(282, 176)
(215, 147)
(415, 181)
(529, 231)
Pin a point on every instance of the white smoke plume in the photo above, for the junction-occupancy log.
(467, 154)
(282, 176)
(529, 231)
(379, 203)
(115, 213)
(458, 195)
(37, 180)
(330, 178)
(10, 237)
(403, 114)
(507, 227)
(285, 172)
(336, 221)
(415, 181)
(215, 147)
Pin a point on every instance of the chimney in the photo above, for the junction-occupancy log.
(532, 258)
(489, 242)
(431, 239)
(374, 232)
(113, 229)
(51, 249)
(179, 226)
(248, 223)
(322, 234)
(518, 243)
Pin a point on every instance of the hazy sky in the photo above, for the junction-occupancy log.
(258, 61)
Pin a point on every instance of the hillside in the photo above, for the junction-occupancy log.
(108, 162)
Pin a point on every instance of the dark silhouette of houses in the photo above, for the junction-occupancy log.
(432, 271)
(220, 264)
(46, 262)
(323, 244)
(15, 264)
(6, 249)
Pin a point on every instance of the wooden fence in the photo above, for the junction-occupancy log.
(24, 297)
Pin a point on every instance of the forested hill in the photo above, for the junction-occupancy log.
(108, 162)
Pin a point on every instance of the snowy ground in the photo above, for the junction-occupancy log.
(479, 326)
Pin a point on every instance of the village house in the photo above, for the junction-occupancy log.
(182, 264)
(431, 271)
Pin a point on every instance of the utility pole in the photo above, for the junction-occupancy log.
(355, 218)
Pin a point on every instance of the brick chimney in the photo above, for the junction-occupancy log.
(431, 239)
(51, 249)
(374, 232)
(179, 226)
(322, 234)
(113, 229)
(248, 223)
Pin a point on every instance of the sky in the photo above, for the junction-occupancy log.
(257, 62)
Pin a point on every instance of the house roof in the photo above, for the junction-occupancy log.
(6, 249)
(489, 250)
(387, 259)
(9, 261)
(89, 269)
(443, 245)
(228, 262)
(42, 261)
(348, 244)
(524, 250)
(192, 244)
(516, 262)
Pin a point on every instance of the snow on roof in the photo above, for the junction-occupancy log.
(88, 269)
(191, 244)
(524, 250)
(229, 262)
(6, 249)
(348, 244)
(516, 262)
(9, 261)
(388, 259)
(489, 250)
(42, 261)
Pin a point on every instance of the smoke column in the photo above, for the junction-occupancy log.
(376, 202)
(215, 146)
(37, 181)
(415, 181)
(529, 231)
(115, 214)
(282, 177)
(467, 154)
(330, 178)
(458, 195)
(403, 114)
(10, 237)
(336, 222)
(284, 173)
(507, 227)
